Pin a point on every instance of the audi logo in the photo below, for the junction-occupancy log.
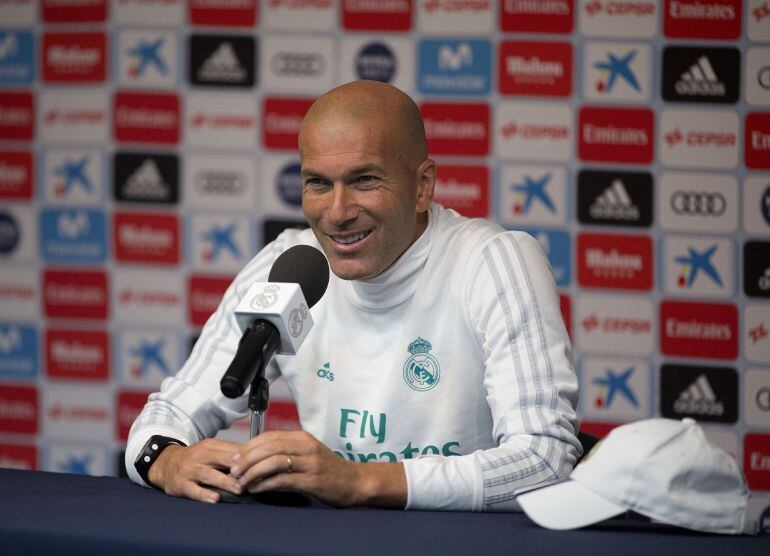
(306, 64)
(698, 203)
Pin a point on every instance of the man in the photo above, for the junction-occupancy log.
(453, 383)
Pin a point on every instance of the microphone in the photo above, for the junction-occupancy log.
(274, 316)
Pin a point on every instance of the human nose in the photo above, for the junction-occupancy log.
(342, 209)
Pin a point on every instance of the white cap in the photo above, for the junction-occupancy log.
(661, 468)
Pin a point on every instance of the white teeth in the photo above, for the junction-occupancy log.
(350, 239)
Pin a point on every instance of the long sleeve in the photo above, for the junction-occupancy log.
(529, 379)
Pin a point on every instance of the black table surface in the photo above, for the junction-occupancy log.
(56, 513)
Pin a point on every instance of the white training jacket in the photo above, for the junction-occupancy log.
(455, 361)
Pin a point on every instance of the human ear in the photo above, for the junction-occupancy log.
(426, 182)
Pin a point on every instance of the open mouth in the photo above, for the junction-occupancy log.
(350, 238)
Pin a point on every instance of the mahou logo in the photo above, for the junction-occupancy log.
(17, 116)
(542, 16)
(619, 18)
(205, 294)
(464, 189)
(461, 129)
(224, 13)
(74, 57)
(703, 330)
(19, 409)
(74, 11)
(535, 68)
(757, 140)
(616, 135)
(615, 261)
(281, 118)
(129, 405)
(77, 354)
(80, 294)
(147, 117)
(146, 238)
(377, 15)
(702, 19)
(16, 175)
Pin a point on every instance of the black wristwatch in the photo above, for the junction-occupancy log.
(155, 445)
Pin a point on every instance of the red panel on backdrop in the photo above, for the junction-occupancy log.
(205, 294)
(281, 118)
(77, 294)
(615, 262)
(690, 329)
(77, 354)
(17, 116)
(129, 405)
(702, 19)
(554, 16)
(16, 175)
(361, 15)
(19, 409)
(464, 189)
(461, 129)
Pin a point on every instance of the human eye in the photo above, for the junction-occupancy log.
(367, 180)
(314, 184)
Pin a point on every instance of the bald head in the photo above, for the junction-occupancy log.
(376, 106)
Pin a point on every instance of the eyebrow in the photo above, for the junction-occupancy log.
(357, 171)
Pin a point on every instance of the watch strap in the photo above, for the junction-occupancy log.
(150, 452)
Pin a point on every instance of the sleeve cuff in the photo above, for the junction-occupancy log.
(452, 483)
(136, 443)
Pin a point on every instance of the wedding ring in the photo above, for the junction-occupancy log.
(290, 463)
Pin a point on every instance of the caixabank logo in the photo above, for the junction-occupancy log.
(617, 71)
(756, 268)
(707, 394)
(18, 351)
(73, 236)
(615, 198)
(619, 18)
(79, 294)
(698, 266)
(17, 115)
(74, 57)
(145, 178)
(696, 74)
(281, 118)
(533, 195)
(17, 57)
(614, 324)
(19, 409)
(147, 58)
(456, 67)
(616, 135)
(615, 389)
(544, 16)
(73, 176)
(77, 354)
(535, 68)
(77, 459)
(464, 189)
(701, 330)
(222, 60)
(146, 117)
(615, 262)
(365, 15)
(220, 243)
(223, 13)
(757, 140)
(702, 19)
(146, 238)
(16, 175)
(456, 128)
(205, 293)
(146, 357)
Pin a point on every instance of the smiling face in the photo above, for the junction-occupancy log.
(365, 200)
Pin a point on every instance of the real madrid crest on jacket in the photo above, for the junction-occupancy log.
(454, 360)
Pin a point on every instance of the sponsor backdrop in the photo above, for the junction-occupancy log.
(147, 151)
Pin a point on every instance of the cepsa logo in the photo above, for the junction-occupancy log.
(77, 354)
(758, 28)
(74, 11)
(224, 13)
(449, 17)
(615, 261)
(702, 19)
(281, 118)
(702, 139)
(542, 16)
(142, 296)
(80, 294)
(147, 117)
(74, 57)
(703, 330)
(464, 189)
(377, 15)
(616, 135)
(527, 131)
(166, 13)
(73, 116)
(212, 123)
(461, 129)
(19, 409)
(613, 324)
(757, 140)
(129, 405)
(19, 12)
(619, 18)
(16, 175)
(535, 68)
(146, 238)
(205, 294)
(17, 116)
(17, 456)
(756, 461)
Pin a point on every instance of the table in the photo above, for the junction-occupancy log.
(56, 513)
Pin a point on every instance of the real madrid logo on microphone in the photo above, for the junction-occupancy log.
(421, 370)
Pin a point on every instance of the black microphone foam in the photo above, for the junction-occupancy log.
(303, 265)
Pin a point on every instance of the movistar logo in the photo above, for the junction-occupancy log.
(421, 370)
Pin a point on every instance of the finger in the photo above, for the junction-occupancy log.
(269, 447)
(196, 492)
(291, 481)
(213, 477)
(216, 458)
(268, 467)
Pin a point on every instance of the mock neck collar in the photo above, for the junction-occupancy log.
(399, 281)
